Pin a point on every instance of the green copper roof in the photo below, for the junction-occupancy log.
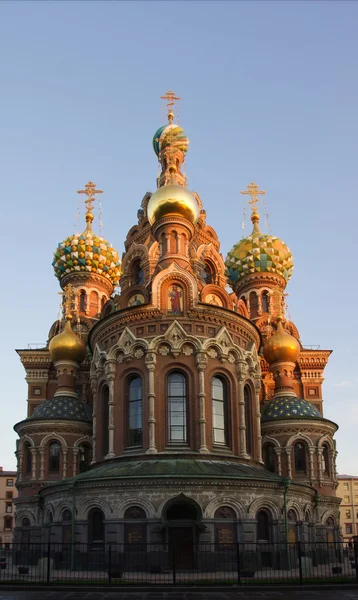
(63, 408)
(176, 467)
(289, 407)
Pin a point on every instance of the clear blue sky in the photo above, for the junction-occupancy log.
(269, 93)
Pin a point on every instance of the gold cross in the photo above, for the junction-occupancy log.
(68, 300)
(171, 97)
(253, 191)
(90, 191)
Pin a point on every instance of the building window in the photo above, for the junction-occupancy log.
(348, 514)
(28, 459)
(254, 305)
(349, 528)
(96, 526)
(346, 499)
(82, 301)
(9, 494)
(325, 460)
(209, 273)
(8, 507)
(54, 457)
(265, 302)
(248, 419)
(105, 417)
(85, 456)
(8, 523)
(263, 526)
(269, 456)
(137, 273)
(345, 486)
(177, 425)
(300, 457)
(9, 482)
(135, 408)
(219, 406)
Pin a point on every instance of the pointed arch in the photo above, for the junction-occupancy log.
(55, 437)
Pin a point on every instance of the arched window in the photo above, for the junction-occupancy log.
(265, 302)
(248, 419)
(254, 305)
(209, 273)
(291, 516)
(28, 459)
(219, 407)
(137, 273)
(269, 456)
(95, 526)
(325, 460)
(85, 457)
(82, 301)
(134, 411)
(177, 417)
(66, 515)
(25, 522)
(105, 416)
(54, 457)
(300, 457)
(263, 526)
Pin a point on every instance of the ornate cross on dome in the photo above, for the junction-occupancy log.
(253, 191)
(68, 301)
(171, 98)
(90, 191)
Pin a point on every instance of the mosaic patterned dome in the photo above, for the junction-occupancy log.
(259, 253)
(63, 408)
(172, 135)
(289, 407)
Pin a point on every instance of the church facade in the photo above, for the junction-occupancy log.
(184, 408)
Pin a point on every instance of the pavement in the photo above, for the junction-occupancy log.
(304, 593)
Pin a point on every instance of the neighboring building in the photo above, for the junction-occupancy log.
(8, 493)
(175, 409)
(348, 491)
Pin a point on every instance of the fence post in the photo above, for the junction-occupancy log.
(238, 563)
(355, 546)
(174, 565)
(110, 564)
(299, 552)
(48, 559)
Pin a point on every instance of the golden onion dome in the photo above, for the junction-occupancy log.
(281, 347)
(172, 199)
(67, 345)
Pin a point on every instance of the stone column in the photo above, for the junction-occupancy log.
(259, 304)
(64, 462)
(94, 417)
(279, 462)
(241, 372)
(42, 451)
(150, 360)
(110, 369)
(75, 451)
(257, 382)
(201, 363)
(319, 463)
(311, 451)
(289, 461)
(334, 466)
(33, 457)
(20, 458)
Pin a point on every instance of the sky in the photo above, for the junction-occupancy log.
(269, 93)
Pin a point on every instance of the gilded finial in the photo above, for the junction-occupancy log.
(278, 304)
(253, 191)
(68, 301)
(171, 99)
(90, 191)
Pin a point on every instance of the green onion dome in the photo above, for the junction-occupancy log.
(258, 253)
(170, 135)
(63, 408)
(289, 407)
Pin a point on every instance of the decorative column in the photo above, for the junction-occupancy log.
(20, 458)
(110, 369)
(241, 373)
(259, 304)
(201, 363)
(319, 463)
(42, 451)
(311, 451)
(257, 382)
(33, 460)
(289, 461)
(150, 361)
(75, 451)
(334, 466)
(94, 417)
(279, 462)
(64, 462)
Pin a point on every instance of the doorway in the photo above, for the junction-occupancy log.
(182, 518)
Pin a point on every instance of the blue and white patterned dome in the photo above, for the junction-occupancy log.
(63, 408)
(289, 407)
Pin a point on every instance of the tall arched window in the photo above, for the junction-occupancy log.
(134, 411)
(219, 407)
(263, 526)
(54, 457)
(105, 416)
(300, 457)
(265, 302)
(248, 419)
(254, 305)
(85, 457)
(82, 301)
(209, 273)
(137, 273)
(325, 460)
(269, 456)
(177, 417)
(95, 526)
(28, 459)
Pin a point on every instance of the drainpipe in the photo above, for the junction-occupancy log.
(286, 484)
(73, 536)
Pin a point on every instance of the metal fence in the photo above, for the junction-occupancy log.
(161, 564)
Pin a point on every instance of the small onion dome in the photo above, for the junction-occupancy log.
(67, 345)
(88, 253)
(177, 138)
(259, 253)
(63, 408)
(281, 347)
(172, 199)
(289, 407)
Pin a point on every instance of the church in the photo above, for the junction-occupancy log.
(174, 402)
